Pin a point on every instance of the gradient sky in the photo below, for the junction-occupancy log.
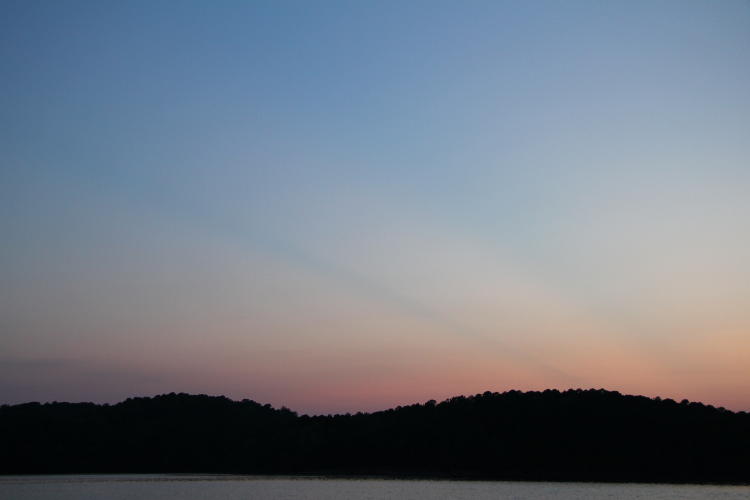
(341, 206)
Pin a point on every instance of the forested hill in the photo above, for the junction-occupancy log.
(550, 435)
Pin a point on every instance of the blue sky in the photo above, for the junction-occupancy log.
(347, 205)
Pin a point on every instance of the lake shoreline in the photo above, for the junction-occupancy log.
(219, 476)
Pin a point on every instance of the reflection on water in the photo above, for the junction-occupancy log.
(225, 487)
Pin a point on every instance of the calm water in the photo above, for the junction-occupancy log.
(188, 487)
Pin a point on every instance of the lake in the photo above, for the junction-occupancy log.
(220, 487)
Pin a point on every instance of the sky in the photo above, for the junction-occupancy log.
(348, 206)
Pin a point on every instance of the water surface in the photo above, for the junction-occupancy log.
(221, 487)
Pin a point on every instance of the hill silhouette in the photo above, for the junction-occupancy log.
(550, 435)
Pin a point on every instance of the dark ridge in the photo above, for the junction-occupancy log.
(575, 435)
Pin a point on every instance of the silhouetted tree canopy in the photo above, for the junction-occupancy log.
(550, 435)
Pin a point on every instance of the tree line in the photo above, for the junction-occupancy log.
(573, 435)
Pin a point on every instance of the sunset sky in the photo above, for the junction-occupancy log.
(343, 206)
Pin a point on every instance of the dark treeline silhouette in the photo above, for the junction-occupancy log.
(550, 435)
